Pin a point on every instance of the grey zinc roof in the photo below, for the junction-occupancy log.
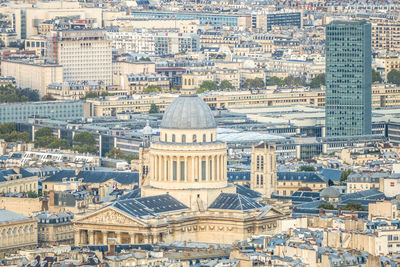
(227, 201)
(188, 112)
(10, 216)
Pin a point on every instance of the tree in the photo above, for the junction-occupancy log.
(152, 89)
(376, 77)
(207, 86)
(154, 108)
(11, 94)
(306, 168)
(256, 83)
(353, 206)
(326, 206)
(9, 133)
(344, 175)
(394, 77)
(85, 142)
(318, 81)
(48, 98)
(42, 132)
(116, 153)
(52, 142)
(275, 81)
(225, 84)
(32, 194)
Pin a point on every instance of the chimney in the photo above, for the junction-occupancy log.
(51, 202)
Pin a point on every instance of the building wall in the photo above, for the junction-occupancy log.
(24, 206)
(34, 76)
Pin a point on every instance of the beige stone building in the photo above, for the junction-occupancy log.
(55, 229)
(186, 195)
(385, 36)
(35, 75)
(16, 232)
(17, 180)
(263, 169)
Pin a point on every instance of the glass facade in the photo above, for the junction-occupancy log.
(348, 78)
(61, 110)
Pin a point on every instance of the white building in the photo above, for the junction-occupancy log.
(133, 42)
(86, 55)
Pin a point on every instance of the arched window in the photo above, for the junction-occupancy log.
(258, 179)
(173, 138)
(204, 138)
(194, 138)
(183, 138)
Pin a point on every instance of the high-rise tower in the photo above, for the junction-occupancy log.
(348, 78)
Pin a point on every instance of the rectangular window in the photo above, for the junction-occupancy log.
(174, 169)
(203, 170)
(182, 171)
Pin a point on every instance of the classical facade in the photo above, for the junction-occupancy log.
(18, 180)
(16, 232)
(55, 229)
(185, 196)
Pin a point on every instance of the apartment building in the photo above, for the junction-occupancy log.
(385, 37)
(86, 55)
(175, 43)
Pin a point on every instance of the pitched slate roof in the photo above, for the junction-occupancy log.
(7, 172)
(135, 193)
(149, 206)
(331, 174)
(238, 176)
(307, 177)
(10, 216)
(247, 192)
(235, 202)
(96, 176)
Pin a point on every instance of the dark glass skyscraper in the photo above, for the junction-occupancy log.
(348, 78)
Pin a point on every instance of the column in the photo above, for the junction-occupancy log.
(193, 165)
(199, 168)
(118, 236)
(171, 160)
(215, 166)
(207, 168)
(186, 169)
(91, 237)
(178, 166)
(77, 237)
(165, 168)
(156, 167)
(152, 166)
(104, 237)
(160, 168)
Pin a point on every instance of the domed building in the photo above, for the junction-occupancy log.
(185, 194)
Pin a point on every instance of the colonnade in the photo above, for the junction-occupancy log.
(102, 237)
(206, 168)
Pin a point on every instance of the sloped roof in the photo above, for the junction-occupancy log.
(235, 202)
(7, 172)
(135, 193)
(149, 206)
(10, 216)
(238, 176)
(247, 192)
(307, 177)
(96, 176)
(332, 174)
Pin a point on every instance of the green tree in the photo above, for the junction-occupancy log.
(116, 153)
(42, 132)
(11, 94)
(152, 89)
(154, 108)
(207, 86)
(394, 77)
(344, 175)
(376, 77)
(32, 194)
(85, 142)
(17, 137)
(225, 84)
(275, 81)
(52, 142)
(353, 206)
(318, 81)
(326, 206)
(7, 128)
(306, 168)
(48, 98)
(256, 83)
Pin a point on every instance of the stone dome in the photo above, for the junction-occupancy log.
(330, 192)
(188, 111)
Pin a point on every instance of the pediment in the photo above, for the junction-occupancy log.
(110, 216)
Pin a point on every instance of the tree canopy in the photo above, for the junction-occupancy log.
(207, 86)
(85, 142)
(326, 206)
(306, 168)
(9, 133)
(11, 94)
(154, 108)
(116, 153)
(44, 138)
(376, 77)
(152, 89)
(318, 81)
(394, 77)
(353, 206)
(225, 84)
(344, 175)
(255, 83)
